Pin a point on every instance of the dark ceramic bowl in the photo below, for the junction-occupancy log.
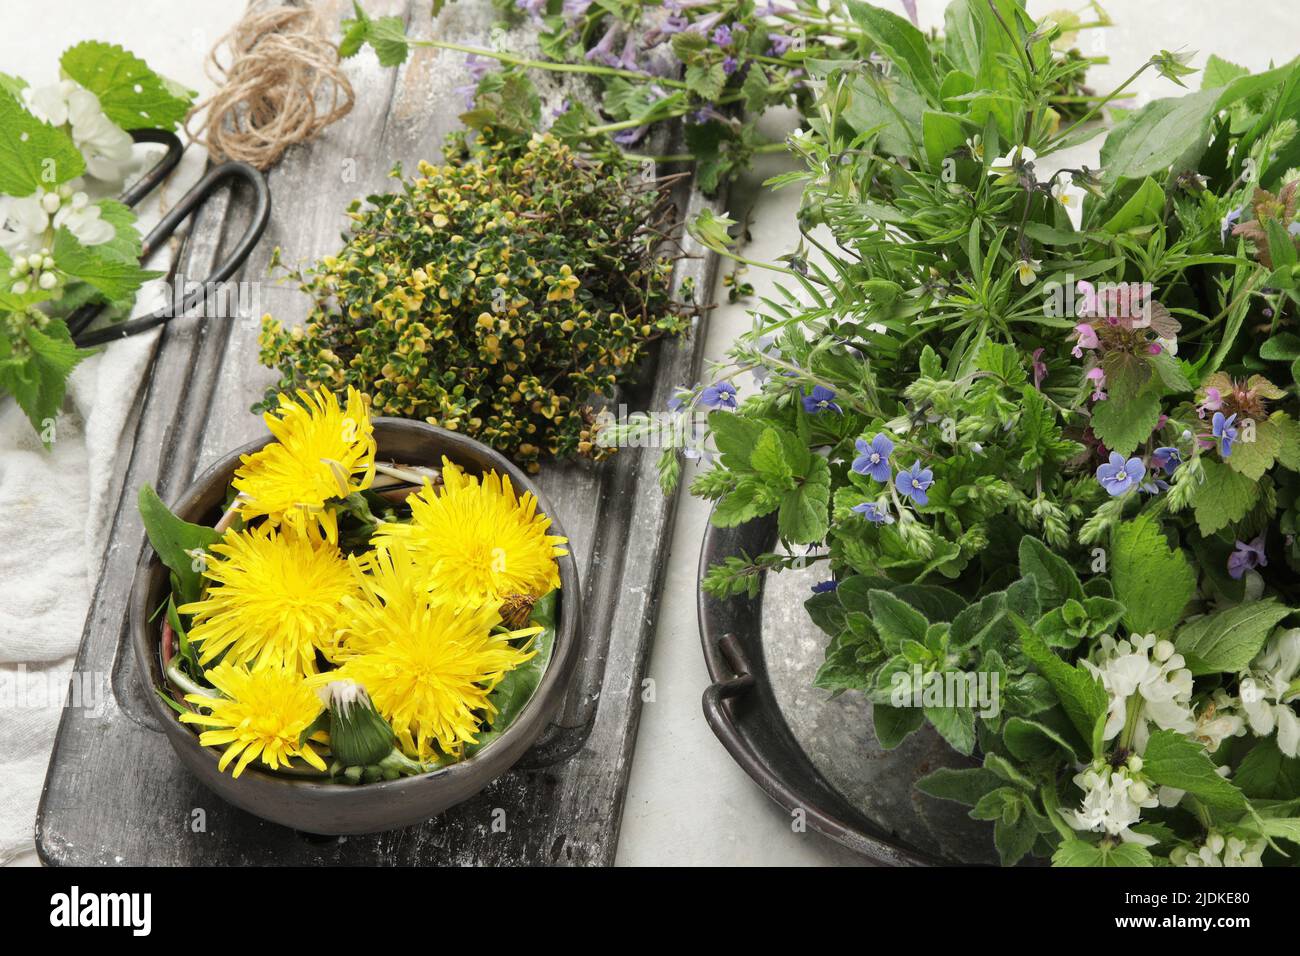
(331, 808)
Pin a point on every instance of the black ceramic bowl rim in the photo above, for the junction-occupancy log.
(741, 709)
(335, 808)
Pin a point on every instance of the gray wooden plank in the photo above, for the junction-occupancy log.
(115, 792)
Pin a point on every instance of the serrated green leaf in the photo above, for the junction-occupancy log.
(1224, 496)
(33, 154)
(1228, 640)
(1151, 580)
(1172, 760)
(1123, 425)
(131, 94)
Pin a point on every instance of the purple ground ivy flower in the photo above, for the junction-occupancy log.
(719, 395)
(534, 8)
(1118, 476)
(1222, 429)
(780, 44)
(1166, 459)
(820, 400)
(873, 457)
(722, 36)
(730, 64)
(873, 513)
(573, 9)
(822, 587)
(630, 137)
(915, 482)
(604, 48)
(1247, 557)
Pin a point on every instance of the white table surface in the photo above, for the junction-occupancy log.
(687, 802)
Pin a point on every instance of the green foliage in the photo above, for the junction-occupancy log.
(494, 295)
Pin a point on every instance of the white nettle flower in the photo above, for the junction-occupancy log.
(1218, 850)
(27, 221)
(106, 147)
(1144, 666)
(1266, 691)
(1113, 801)
(1219, 720)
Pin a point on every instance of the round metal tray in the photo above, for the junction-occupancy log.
(809, 751)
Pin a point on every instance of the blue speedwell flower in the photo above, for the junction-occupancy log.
(873, 513)
(822, 587)
(1118, 476)
(1222, 429)
(719, 395)
(873, 457)
(820, 400)
(915, 482)
(1166, 459)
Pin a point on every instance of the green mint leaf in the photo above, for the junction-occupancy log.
(1172, 760)
(1056, 580)
(1153, 581)
(896, 622)
(130, 94)
(33, 154)
(116, 279)
(1222, 497)
(1228, 640)
(966, 786)
(1082, 697)
(894, 724)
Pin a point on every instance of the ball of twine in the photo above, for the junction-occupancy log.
(283, 85)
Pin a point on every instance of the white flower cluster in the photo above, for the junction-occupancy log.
(1218, 850)
(1268, 688)
(105, 146)
(1113, 800)
(27, 224)
(1142, 666)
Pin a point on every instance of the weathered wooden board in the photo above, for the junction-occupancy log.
(115, 792)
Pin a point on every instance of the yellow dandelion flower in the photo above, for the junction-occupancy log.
(263, 715)
(478, 542)
(427, 668)
(275, 599)
(321, 452)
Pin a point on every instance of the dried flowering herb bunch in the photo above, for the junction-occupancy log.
(495, 295)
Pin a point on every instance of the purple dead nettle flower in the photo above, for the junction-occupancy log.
(915, 482)
(1213, 402)
(1118, 476)
(873, 457)
(1087, 339)
(1040, 368)
(1222, 430)
(719, 395)
(823, 586)
(873, 513)
(604, 48)
(1247, 557)
(820, 399)
(1097, 375)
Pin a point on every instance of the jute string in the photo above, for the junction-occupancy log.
(281, 85)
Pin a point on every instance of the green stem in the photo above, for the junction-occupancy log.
(1114, 94)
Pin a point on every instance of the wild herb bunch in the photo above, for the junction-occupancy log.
(495, 295)
(1040, 422)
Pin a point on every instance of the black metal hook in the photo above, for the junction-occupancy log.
(189, 203)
